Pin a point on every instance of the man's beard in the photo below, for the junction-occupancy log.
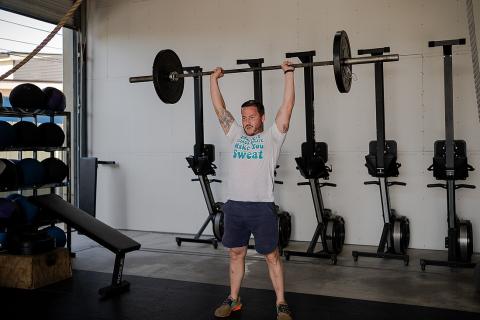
(255, 130)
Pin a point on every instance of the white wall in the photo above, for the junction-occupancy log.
(151, 188)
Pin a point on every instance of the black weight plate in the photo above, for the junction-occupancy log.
(341, 51)
(165, 63)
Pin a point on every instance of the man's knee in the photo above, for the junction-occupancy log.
(237, 253)
(273, 257)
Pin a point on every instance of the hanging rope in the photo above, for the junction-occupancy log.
(32, 54)
(474, 50)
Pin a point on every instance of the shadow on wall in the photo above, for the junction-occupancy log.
(117, 191)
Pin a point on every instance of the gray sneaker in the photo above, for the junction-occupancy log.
(284, 312)
(228, 306)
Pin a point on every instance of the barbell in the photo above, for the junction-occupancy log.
(168, 74)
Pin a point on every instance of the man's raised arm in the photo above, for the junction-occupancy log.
(282, 120)
(224, 116)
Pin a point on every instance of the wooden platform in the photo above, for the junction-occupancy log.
(31, 272)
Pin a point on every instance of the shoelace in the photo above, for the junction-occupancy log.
(283, 308)
(228, 301)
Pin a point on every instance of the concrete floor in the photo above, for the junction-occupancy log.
(368, 279)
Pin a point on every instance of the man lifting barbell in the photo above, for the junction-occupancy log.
(252, 174)
(250, 208)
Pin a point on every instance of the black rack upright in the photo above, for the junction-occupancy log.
(450, 164)
(382, 164)
(202, 166)
(330, 228)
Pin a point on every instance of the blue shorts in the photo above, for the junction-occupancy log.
(241, 219)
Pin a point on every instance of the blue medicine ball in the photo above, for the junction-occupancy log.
(58, 234)
(29, 212)
(14, 196)
(7, 135)
(7, 209)
(30, 172)
(8, 175)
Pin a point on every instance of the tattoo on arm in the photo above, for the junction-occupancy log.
(226, 119)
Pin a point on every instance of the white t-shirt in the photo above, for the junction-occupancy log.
(252, 161)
